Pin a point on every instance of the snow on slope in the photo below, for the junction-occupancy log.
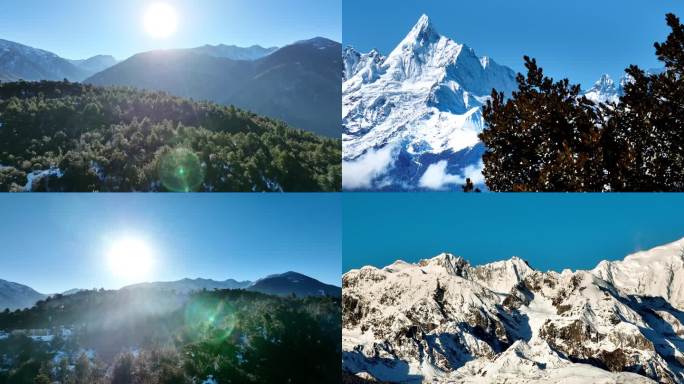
(539, 364)
(442, 320)
(655, 272)
(18, 61)
(416, 110)
(16, 296)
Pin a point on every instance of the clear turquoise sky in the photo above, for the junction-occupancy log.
(551, 231)
(56, 242)
(78, 29)
(580, 39)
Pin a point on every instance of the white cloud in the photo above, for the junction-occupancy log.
(361, 173)
(474, 173)
(436, 176)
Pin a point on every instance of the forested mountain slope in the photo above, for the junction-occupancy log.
(300, 83)
(61, 136)
(152, 336)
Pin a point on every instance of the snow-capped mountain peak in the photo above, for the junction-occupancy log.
(605, 90)
(605, 82)
(451, 264)
(422, 33)
(423, 52)
(411, 120)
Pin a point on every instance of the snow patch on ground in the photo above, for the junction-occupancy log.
(39, 174)
(538, 312)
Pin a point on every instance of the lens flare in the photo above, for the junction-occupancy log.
(212, 318)
(181, 171)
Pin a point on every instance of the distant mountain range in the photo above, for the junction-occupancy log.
(606, 91)
(16, 296)
(234, 52)
(95, 64)
(190, 285)
(442, 320)
(21, 62)
(299, 83)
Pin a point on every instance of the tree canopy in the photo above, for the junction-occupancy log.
(548, 137)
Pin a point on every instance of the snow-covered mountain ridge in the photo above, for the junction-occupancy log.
(442, 320)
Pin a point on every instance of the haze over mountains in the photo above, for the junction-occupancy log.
(299, 83)
(17, 296)
(442, 320)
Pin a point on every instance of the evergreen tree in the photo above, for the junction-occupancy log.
(82, 370)
(544, 138)
(470, 187)
(547, 137)
(644, 136)
(123, 369)
(42, 379)
(64, 374)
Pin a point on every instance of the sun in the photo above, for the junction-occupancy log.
(161, 20)
(130, 259)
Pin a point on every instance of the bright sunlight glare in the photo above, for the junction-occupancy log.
(130, 258)
(161, 20)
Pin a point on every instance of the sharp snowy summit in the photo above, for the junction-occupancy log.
(442, 320)
(411, 118)
(606, 91)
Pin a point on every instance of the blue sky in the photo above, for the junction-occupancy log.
(579, 39)
(77, 29)
(57, 242)
(550, 231)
